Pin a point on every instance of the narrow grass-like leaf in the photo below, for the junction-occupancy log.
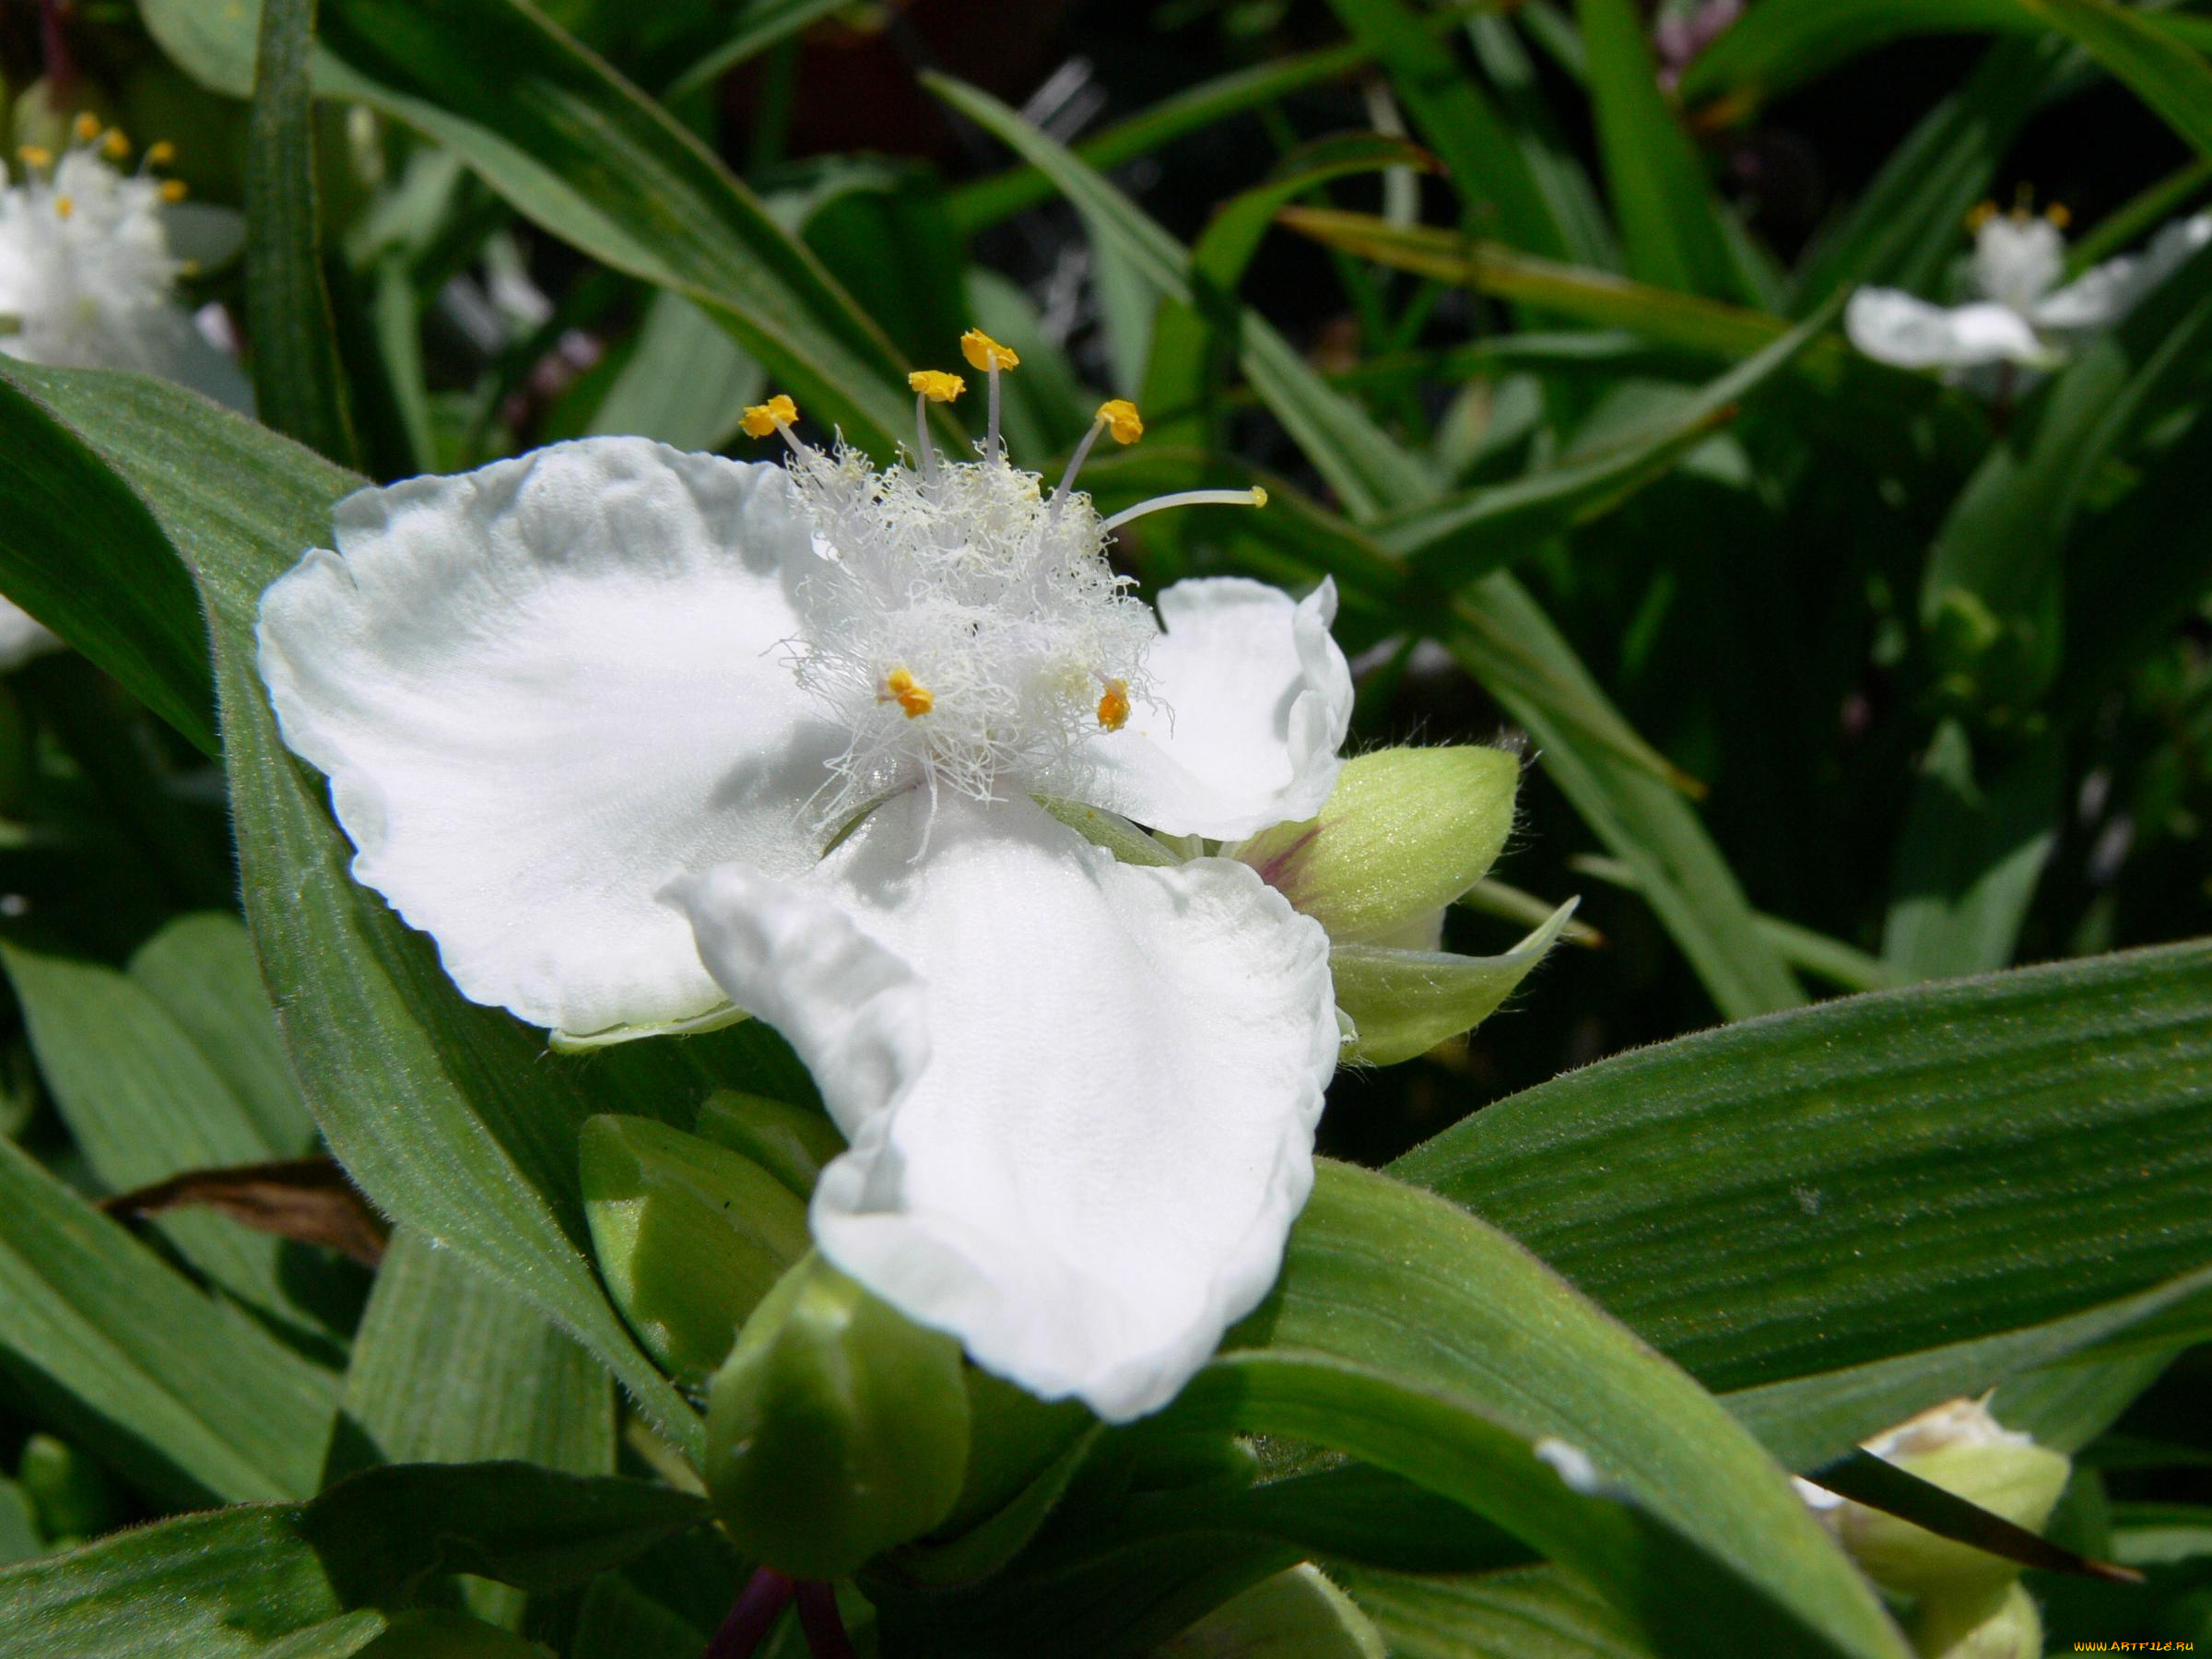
(122, 600)
(761, 24)
(299, 387)
(191, 1402)
(1873, 1177)
(1530, 1613)
(200, 969)
(1672, 229)
(1498, 190)
(144, 1103)
(467, 1132)
(2173, 78)
(588, 156)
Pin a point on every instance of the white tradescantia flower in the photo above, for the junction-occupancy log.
(89, 258)
(2021, 314)
(594, 716)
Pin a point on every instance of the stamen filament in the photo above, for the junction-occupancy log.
(931, 385)
(1254, 497)
(986, 353)
(1116, 414)
(923, 446)
(1075, 463)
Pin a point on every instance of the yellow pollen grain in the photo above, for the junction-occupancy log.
(1114, 707)
(1259, 496)
(115, 146)
(1983, 212)
(761, 419)
(172, 189)
(64, 207)
(1119, 417)
(36, 155)
(86, 127)
(913, 698)
(936, 385)
(986, 353)
(160, 153)
(2060, 216)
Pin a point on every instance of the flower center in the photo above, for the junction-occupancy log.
(964, 627)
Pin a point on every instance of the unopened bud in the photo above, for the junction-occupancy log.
(792, 1143)
(1404, 833)
(2006, 1626)
(690, 1237)
(1959, 1447)
(836, 1430)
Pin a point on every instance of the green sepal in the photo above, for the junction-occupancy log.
(836, 1430)
(585, 1043)
(1404, 833)
(690, 1237)
(1402, 1002)
(2002, 1625)
(790, 1142)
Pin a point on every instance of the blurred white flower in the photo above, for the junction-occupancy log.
(89, 258)
(2020, 313)
(592, 716)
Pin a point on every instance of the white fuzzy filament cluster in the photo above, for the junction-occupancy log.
(963, 587)
(82, 249)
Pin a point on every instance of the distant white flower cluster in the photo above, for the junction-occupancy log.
(89, 258)
(2021, 314)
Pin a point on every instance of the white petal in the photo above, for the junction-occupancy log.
(543, 689)
(1253, 701)
(2103, 294)
(1894, 327)
(1081, 1094)
(23, 637)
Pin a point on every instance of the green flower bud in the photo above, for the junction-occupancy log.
(1404, 833)
(836, 1430)
(792, 1143)
(1298, 1614)
(690, 1237)
(1959, 1447)
(2004, 1627)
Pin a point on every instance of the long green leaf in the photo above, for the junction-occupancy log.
(191, 1402)
(122, 600)
(450, 1116)
(588, 156)
(144, 1102)
(1672, 226)
(1413, 1335)
(1873, 1177)
(1498, 189)
(2171, 77)
(1531, 1613)
(298, 387)
(268, 1580)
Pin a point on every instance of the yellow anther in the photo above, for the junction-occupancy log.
(913, 699)
(172, 189)
(762, 419)
(2060, 216)
(1119, 416)
(1983, 212)
(86, 127)
(1259, 496)
(160, 153)
(1114, 707)
(936, 385)
(36, 155)
(116, 145)
(64, 207)
(984, 352)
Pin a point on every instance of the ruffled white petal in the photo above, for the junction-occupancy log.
(1253, 701)
(2103, 294)
(543, 689)
(1080, 1094)
(1894, 327)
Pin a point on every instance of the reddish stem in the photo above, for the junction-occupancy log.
(825, 1629)
(752, 1615)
